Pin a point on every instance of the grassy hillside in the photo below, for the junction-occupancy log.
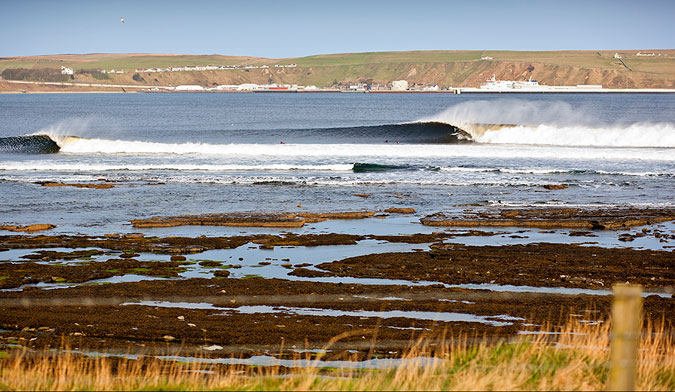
(445, 68)
(119, 61)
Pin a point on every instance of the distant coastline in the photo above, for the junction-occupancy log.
(631, 71)
(19, 87)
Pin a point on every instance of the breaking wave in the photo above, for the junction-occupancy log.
(549, 123)
(633, 135)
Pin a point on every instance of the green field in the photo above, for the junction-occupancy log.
(125, 62)
(586, 59)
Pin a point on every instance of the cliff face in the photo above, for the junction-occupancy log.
(457, 74)
(444, 68)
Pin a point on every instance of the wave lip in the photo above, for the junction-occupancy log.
(30, 144)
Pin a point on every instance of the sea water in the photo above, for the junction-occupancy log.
(214, 153)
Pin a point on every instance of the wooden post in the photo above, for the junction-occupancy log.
(626, 323)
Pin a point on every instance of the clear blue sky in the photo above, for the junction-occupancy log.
(286, 28)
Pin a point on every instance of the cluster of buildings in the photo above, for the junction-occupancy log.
(640, 54)
(651, 54)
(247, 87)
(189, 68)
(397, 85)
(69, 71)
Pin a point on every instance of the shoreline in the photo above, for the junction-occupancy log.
(91, 88)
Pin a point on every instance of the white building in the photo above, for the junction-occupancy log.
(66, 70)
(189, 87)
(247, 87)
(226, 87)
(399, 85)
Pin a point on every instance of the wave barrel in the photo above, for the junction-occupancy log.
(32, 144)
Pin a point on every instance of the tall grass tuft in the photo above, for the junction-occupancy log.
(573, 358)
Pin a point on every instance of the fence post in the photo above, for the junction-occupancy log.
(626, 323)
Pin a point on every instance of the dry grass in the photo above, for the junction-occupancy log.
(575, 358)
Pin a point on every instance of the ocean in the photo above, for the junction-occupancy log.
(191, 153)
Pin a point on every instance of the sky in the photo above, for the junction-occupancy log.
(287, 28)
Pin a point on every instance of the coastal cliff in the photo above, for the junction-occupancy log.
(442, 68)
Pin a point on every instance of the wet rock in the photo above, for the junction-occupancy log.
(221, 273)
(28, 229)
(133, 235)
(531, 265)
(626, 237)
(594, 219)
(552, 187)
(231, 219)
(400, 210)
(77, 185)
(210, 263)
(17, 274)
(178, 258)
(307, 273)
(50, 255)
(364, 195)
(582, 234)
(337, 215)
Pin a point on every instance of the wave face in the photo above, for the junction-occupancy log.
(430, 132)
(55, 140)
(31, 144)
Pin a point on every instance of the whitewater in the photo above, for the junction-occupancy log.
(546, 150)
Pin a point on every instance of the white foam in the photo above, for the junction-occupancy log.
(634, 135)
(168, 166)
(554, 171)
(362, 151)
